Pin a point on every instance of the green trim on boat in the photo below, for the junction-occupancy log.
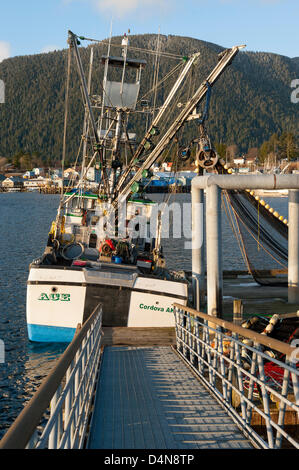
(86, 196)
(141, 201)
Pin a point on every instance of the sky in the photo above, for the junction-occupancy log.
(34, 26)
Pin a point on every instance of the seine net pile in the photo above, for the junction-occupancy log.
(262, 237)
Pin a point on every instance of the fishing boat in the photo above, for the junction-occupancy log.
(105, 245)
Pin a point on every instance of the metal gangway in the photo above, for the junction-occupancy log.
(216, 388)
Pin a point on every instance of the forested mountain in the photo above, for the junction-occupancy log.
(250, 102)
(296, 61)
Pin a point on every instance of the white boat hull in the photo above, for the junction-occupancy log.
(58, 299)
(54, 304)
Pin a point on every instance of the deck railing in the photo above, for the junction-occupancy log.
(236, 365)
(57, 415)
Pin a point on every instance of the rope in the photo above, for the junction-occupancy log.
(250, 232)
(231, 217)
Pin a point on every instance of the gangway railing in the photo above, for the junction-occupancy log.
(57, 415)
(235, 364)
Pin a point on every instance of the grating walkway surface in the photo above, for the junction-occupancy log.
(148, 399)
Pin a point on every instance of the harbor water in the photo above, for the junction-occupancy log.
(25, 222)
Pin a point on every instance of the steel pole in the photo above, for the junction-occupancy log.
(293, 247)
(247, 181)
(214, 255)
(198, 258)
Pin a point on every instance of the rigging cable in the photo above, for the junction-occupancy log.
(168, 55)
(65, 117)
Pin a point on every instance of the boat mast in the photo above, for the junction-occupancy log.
(119, 99)
(153, 127)
(73, 42)
(86, 120)
(225, 59)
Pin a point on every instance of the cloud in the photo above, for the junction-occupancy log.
(4, 50)
(49, 48)
(120, 8)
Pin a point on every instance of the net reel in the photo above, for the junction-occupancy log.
(206, 155)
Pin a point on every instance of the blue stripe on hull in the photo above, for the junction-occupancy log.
(50, 334)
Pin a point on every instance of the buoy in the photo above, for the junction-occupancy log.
(244, 351)
(262, 202)
(285, 221)
(270, 326)
(267, 206)
(270, 353)
(250, 322)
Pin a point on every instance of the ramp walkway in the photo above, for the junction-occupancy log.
(137, 389)
(147, 398)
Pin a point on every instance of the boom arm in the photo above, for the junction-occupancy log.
(226, 58)
(158, 117)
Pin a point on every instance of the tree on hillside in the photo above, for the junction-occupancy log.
(25, 162)
(221, 149)
(231, 153)
(263, 151)
(36, 160)
(279, 147)
(287, 147)
(3, 162)
(16, 158)
(252, 152)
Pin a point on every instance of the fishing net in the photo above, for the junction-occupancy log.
(285, 330)
(261, 234)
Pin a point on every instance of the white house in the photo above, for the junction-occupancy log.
(239, 161)
(29, 174)
(36, 183)
(166, 166)
(12, 182)
(70, 173)
(38, 171)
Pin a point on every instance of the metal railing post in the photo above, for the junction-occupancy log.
(293, 247)
(214, 253)
(240, 376)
